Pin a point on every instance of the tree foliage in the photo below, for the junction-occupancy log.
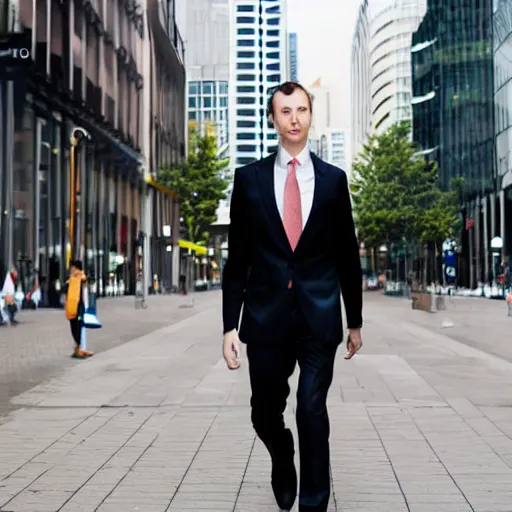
(200, 185)
(396, 193)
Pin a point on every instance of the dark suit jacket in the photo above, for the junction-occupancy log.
(261, 262)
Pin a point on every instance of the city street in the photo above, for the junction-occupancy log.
(155, 422)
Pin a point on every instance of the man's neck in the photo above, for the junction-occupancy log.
(294, 149)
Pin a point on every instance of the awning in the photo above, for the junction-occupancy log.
(151, 182)
(199, 249)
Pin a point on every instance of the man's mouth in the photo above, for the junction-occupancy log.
(294, 132)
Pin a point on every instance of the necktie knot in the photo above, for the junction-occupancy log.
(293, 163)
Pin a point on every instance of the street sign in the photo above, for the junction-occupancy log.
(15, 58)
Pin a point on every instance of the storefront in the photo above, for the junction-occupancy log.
(110, 203)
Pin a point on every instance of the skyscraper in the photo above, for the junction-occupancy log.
(258, 63)
(360, 77)
(381, 66)
(390, 61)
(454, 117)
(207, 58)
(294, 72)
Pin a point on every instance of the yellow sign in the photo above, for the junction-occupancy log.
(198, 249)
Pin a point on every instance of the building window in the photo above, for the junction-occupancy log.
(193, 89)
(245, 8)
(245, 65)
(245, 148)
(246, 136)
(273, 33)
(241, 100)
(246, 78)
(273, 67)
(208, 88)
(246, 55)
(245, 19)
(245, 31)
(192, 102)
(273, 21)
(245, 43)
(246, 124)
(273, 55)
(246, 88)
(207, 102)
(246, 113)
(272, 44)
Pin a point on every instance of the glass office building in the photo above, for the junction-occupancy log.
(453, 116)
(502, 42)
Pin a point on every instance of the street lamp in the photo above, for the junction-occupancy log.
(78, 135)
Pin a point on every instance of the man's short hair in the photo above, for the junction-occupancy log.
(77, 264)
(287, 88)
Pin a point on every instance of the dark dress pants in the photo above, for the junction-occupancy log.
(271, 363)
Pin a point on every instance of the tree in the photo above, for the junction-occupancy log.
(200, 185)
(397, 195)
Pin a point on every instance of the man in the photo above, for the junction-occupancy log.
(292, 246)
(75, 306)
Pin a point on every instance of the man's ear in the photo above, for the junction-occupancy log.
(271, 119)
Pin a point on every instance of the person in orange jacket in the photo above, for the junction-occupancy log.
(75, 306)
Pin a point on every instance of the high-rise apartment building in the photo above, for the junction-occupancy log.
(294, 70)
(258, 63)
(390, 62)
(207, 60)
(360, 80)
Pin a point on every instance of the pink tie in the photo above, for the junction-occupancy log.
(292, 211)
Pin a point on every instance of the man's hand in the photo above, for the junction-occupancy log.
(354, 343)
(231, 349)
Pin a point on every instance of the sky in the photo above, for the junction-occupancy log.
(324, 39)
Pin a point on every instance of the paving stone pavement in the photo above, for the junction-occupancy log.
(39, 347)
(419, 423)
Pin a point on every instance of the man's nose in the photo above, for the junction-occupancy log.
(294, 117)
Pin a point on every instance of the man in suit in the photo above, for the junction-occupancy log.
(292, 248)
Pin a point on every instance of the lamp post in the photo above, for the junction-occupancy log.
(78, 135)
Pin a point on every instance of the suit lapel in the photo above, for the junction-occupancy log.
(265, 177)
(319, 167)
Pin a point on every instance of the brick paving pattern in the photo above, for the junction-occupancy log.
(419, 422)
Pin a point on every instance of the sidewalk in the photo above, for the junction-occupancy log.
(40, 346)
(478, 322)
(419, 423)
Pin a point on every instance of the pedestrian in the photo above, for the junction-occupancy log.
(75, 306)
(292, 248)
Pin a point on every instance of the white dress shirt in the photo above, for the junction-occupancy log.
(305, 178)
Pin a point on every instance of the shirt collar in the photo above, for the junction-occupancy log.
(284, 158)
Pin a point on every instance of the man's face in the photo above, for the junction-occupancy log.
(292, 117)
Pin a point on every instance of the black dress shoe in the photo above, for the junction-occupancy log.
(284, 474)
